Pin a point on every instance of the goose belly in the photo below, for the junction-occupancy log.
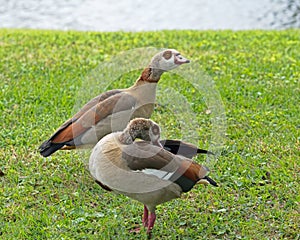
(154, 195)
(147, 189)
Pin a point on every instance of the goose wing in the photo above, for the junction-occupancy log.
(159, 162)
(92, 113)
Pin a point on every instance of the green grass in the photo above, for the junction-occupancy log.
(257, 75)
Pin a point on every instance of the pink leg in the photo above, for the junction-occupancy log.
(151, 221)
(144, 220)
(145, 217)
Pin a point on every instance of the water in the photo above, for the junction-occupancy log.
(139, 15)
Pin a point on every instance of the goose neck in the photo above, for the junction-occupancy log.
(150, 75)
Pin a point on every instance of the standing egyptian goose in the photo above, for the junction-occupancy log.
(143, 171)
(112, 110)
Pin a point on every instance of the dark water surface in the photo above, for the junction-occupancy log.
(138, 15)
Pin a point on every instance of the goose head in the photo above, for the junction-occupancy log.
(142, 128)
(167, 60)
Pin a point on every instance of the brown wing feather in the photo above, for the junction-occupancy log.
(95, 101)
(84, 109)
(93, 112)
(184, 172)
(92, 116)
(193, 170)
(142, 155)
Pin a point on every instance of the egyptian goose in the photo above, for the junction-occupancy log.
(112, 110)
(143, 171)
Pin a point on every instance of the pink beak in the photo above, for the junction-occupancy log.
(181, 60)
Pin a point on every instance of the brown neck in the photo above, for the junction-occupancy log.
(149, 75)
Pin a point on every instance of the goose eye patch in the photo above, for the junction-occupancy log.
(155, 129)
(167, 55)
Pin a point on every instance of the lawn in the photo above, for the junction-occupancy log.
(246, 109)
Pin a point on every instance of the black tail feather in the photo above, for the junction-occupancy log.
(212, 182)
(47, 148)
(204, 151)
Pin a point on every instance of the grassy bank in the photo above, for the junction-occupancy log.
(257, 75)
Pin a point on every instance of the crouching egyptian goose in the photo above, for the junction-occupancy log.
(112, 110)
(141, 170)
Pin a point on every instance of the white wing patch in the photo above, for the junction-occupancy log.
(159, 173)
